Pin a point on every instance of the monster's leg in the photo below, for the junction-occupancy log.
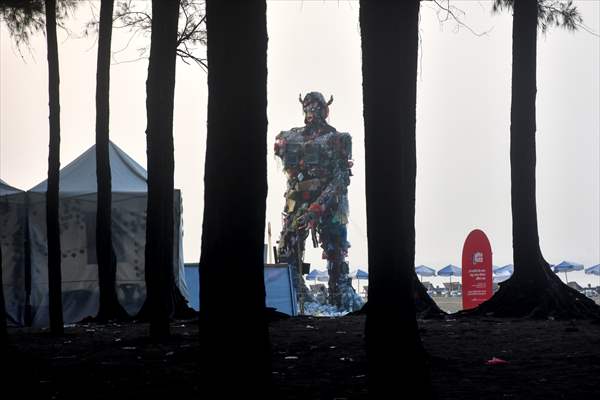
(334, 244)
(291, 249)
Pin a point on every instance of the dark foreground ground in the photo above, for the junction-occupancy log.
(313, 358)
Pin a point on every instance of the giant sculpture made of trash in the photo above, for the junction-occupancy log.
(317, 160)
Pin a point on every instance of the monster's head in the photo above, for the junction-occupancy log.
(316, 109)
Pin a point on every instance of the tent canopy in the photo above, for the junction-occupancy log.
(79, 176)
(7, 190)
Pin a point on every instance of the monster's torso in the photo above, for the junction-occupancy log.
(312, 161)
(300, 150)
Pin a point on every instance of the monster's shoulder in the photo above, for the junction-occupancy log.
(340, 137)
(287, 135)
(343, 141)
(344, 136)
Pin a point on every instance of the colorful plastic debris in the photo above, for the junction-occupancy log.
(496, 361)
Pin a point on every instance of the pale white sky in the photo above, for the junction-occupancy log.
(463, 118)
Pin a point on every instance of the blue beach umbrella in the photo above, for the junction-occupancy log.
(567, 266)
(500, 278)
(502, 273)
(423, 270)
(318, 275)
(450, 270)
(323, 276)
(359, 274)
(312, 275)
(507, 269)
(594, 270)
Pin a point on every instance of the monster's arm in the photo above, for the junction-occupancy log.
(280, 142)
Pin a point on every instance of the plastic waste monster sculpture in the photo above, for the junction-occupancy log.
(317, 161)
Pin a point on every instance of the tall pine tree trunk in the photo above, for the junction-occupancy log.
(3, 332)
(52, 202)
(160, 89)
(533, 290)
(231, 265)
(526, 249)
(389, 32)
(107, 268)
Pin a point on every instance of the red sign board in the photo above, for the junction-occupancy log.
(476, 269)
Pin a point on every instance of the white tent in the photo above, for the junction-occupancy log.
(77, 219)
(12, 240)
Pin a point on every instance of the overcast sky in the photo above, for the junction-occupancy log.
(463, 119)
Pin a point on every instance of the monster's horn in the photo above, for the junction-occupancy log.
(330, 100)
(300, 98)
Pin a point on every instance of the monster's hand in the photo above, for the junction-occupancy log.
(304, 221)
(310, 218)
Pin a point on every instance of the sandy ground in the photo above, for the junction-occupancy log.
(454, 304)
(313, 358)
(449, 304)
(545, 359)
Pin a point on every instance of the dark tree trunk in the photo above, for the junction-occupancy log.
(52, 224)
(237, 346)
(160, 89)
(425, 306)
(3, 332)
(526, 249)
(533, 290)
(389, 32)
(107, 268)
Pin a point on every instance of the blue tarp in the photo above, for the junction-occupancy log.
(278, 284)
(193, 284)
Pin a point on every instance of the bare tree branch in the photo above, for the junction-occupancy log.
(452, 12)
(129, 61)
(191, 35)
